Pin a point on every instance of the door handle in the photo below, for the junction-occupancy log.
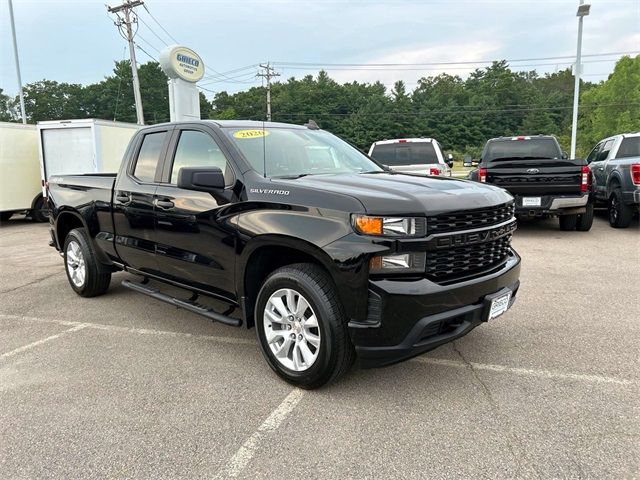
(164, 204)
(601, 169)
(123, 197)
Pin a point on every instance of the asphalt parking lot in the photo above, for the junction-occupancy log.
(124, 386)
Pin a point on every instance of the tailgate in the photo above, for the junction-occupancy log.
(536, 177)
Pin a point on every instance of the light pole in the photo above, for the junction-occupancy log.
(23, 113)
(583, 11)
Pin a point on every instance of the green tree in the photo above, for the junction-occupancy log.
(6, 108)
(611, 107)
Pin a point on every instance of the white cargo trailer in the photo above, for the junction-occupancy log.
(20, 183)
(82, 146)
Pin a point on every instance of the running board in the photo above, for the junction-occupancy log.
(184, 304)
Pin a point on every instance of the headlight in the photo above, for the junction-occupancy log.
(390, 226)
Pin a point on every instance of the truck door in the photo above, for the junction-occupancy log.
(133, 200)
(195, 241)
(598, 169)
(594, 164)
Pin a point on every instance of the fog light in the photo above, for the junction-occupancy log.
(398, 263)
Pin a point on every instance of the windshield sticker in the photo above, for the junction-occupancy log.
(242, 134)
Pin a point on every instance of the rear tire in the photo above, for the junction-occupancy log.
(87, 276)
(314, 348)
(40, 213)
(620, 214)
(585, 220)
(568, 222)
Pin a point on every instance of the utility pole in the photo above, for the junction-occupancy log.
(583, 11)
(17, 59)
(128, 33)
(268, 73)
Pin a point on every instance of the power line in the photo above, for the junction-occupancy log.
(431, 112)
(470, 62)
(160, 25)
(153, 32)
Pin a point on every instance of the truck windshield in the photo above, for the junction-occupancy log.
(293, 152)
(409, 153)
(522, 148)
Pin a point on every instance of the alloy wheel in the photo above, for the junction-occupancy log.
(75, 264)
(291, 329)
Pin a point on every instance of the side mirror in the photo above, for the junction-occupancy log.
(565, 155)
(201, 179)
(449, 160)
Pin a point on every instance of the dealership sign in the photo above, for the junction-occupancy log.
(182, 62)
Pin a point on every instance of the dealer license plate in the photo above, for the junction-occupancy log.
(531, 201)
(499, 305)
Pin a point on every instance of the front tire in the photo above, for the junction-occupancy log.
(568, 222)
(87, 276)
(585, 220)
(301, 326)
(620, 214)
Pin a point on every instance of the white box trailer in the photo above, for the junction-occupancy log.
(20, 182)
(70, 147)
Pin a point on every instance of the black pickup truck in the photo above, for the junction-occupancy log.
(544, 182)
(329, 255)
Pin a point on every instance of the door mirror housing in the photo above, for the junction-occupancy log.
(450, 163)
(201, 179)
(565, 155)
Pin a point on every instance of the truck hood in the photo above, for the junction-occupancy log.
(397, 193)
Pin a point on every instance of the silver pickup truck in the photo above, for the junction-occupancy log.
(615, 166)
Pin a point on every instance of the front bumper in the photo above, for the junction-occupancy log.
(417, 316)
(554, 204)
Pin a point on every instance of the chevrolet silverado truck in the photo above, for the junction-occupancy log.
(615, 164)
(328, 260)
(543, 181)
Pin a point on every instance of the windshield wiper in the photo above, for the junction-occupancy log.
(374, 171)
(293, 177)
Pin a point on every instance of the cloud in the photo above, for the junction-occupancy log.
(417, 54)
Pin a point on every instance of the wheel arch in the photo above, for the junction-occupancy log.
(67, 220)
(613, 182)
(265, 254)
(35, 200)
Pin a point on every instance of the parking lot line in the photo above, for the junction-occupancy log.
(44, 340)
(245, 453)
(549, 374)
(525, 371)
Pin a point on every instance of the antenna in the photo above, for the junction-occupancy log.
(264, 152)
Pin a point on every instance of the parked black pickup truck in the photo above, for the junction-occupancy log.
(328, 254)
(536, 171)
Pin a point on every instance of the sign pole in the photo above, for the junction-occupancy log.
(17, 59)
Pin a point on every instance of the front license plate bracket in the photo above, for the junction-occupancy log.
(496, 304)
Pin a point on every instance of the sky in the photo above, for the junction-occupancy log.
(76, 41)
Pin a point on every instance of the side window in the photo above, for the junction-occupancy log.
(604, 153)
(198, 149)
(148, 156)
(630, 147)
(594, 153)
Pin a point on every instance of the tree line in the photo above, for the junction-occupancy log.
(461, 113)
